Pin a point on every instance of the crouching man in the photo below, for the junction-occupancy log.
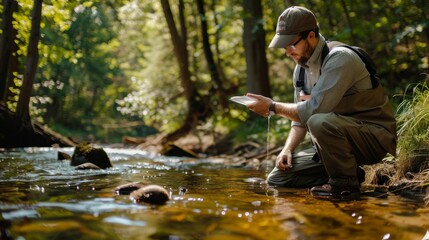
(337, 101)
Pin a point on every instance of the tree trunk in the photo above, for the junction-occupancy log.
(10, 7)
(15, 133)
(180, 50)
(13, 68)
(218, 86)
(228, 86)
(254, 46)
(22, 109)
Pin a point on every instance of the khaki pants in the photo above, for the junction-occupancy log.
(342, 143)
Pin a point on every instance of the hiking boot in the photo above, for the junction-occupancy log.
(331, 190)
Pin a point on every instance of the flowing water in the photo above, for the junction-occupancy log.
(43, 198)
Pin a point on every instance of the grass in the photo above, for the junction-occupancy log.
(413, 119)
(413, 126)
(412, 161)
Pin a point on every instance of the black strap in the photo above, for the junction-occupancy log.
(300, 82)
(325, 52)
(368, 65)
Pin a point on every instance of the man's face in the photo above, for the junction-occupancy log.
(300, 50)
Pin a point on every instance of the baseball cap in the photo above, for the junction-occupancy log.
(291, 22)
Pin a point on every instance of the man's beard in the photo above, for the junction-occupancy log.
(306, 55)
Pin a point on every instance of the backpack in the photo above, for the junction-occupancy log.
(363, 55)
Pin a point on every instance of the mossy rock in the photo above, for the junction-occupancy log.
(88, 153)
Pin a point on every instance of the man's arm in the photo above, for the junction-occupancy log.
(287, 110)
(295, 137)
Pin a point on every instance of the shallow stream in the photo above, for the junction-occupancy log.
(43, 198)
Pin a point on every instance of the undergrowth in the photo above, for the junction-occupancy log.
(413, 136)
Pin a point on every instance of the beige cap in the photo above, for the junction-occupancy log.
(291, 22)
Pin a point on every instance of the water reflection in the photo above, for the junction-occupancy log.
(43, 198)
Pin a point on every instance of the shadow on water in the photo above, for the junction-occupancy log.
(42, 198)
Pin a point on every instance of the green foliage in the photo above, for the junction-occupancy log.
(79, 71)
(413, 120)
(258, 129)
(158, 96)
(98, 57)
(155, 94)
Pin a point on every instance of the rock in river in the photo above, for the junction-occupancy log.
(88, 153)
(152, 194)
(127, 188)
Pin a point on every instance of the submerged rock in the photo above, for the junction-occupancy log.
(88, 153)
(152, 194)
(63, 156)
(87, 166)
(127, 188)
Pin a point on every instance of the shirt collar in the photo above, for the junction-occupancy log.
(314, 60)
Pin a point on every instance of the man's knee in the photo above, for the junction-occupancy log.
(277, 178)
(297, 180)
(319, 123)
(282, 178)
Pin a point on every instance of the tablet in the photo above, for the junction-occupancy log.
(243, 100)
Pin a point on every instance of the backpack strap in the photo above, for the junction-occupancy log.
(369, 64)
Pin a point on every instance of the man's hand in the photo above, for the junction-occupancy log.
(261, 106)
(284, 160)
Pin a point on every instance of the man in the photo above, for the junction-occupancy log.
(348, 117)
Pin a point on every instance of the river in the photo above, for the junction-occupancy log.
(43, 198)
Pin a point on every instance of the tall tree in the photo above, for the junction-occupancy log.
(12, 69)
(254, 45)
(10, 7)
(179, 45)
(22, 109)
(214, 73)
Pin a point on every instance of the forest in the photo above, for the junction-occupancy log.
(122, 70)
(150, 82)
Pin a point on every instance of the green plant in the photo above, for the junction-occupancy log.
(413, 119)
(413, 135)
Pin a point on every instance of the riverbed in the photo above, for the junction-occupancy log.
(44, 198)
